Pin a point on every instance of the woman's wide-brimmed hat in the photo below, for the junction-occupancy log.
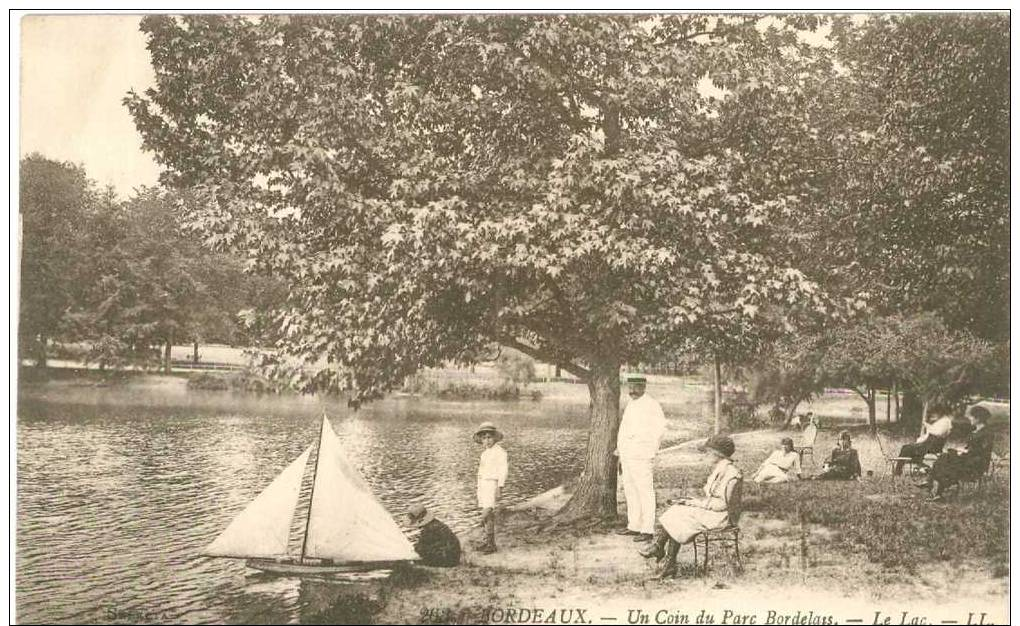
(419, 515)
(722, 444)
(487, 427)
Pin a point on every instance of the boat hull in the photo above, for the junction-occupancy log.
(295, 568)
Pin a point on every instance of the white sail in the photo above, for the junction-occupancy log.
(347, 523)
(263, 528)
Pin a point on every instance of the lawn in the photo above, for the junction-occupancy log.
(811, 546)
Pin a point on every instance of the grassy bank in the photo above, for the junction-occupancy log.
(805, 546)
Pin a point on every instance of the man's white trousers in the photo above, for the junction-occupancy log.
(639, 492)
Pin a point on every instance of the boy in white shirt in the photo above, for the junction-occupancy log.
(492, 471)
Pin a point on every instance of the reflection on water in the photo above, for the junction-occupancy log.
(120, 488)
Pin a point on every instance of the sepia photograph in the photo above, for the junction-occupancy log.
(490, 317)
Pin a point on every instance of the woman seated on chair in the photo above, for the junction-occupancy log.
(843, 464)
(954, 467)
(781, 466)
(686, 519)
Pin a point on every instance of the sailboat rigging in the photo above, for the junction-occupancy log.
(345, 528)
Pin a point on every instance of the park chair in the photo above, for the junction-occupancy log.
(977, 482)
(996, 463)
(916, 465)
(729, 534)
(807, 443)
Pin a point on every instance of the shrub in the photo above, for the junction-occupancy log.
(516, 369)
(209, 381)
(244, 380)
(741, 414)
(452, 390)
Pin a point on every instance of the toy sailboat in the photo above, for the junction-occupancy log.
(340, 527)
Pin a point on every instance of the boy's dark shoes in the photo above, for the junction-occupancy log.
(626, 531)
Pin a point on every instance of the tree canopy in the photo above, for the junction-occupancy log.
(564, 185)
(920, 160)
(430, 185)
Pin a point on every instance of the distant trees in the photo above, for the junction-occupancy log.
(916, 353)
(161, 287)
(56, 202)
(124, 277)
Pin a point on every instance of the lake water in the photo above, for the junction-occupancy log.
(119, 488)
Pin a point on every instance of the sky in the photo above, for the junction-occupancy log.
(75, 70)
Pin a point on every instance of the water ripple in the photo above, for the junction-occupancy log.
(118, 493)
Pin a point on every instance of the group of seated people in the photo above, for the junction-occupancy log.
(683, 521)
(950, 468)
(784, 464)
(969, 463)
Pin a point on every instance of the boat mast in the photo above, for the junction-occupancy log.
(311, 494)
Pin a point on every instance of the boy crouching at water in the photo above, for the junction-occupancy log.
(492, 470)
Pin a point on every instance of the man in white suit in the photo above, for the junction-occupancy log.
(637, 442)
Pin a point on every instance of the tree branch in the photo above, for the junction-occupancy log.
(862, 395)
(541, 355)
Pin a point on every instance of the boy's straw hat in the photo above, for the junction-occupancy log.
(487, 427)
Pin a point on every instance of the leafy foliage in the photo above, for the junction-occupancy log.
(942, 366)
(919, 352)
(55, 202)
(125, 277)
(917, 205)
(429, 185)
(516, 368)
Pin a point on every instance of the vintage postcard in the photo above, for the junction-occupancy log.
(513, 318)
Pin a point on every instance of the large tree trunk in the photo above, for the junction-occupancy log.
(793, 410)
(595, 494)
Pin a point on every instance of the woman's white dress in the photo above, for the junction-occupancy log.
(779, 467)
(684, 521)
